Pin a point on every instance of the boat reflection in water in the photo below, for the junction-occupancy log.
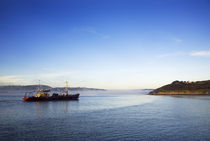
(44, 95)
(54, 107)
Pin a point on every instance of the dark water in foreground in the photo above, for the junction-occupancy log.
(106, 117)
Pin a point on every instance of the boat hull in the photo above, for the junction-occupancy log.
(51, 98)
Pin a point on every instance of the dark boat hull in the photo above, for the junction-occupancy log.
(51, 98)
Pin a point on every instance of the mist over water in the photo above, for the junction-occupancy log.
(106, 115)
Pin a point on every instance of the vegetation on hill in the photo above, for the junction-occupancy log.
(184, 87)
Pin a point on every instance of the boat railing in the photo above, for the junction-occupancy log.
(27, 94)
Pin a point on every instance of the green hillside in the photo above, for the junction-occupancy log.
(184, 87)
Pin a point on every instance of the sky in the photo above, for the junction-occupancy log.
(111, 44)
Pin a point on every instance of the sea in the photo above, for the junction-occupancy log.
(112, 115)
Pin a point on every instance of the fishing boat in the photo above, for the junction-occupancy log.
(44, 95)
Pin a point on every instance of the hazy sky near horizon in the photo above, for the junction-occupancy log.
(114, 44)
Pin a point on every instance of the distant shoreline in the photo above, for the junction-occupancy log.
(182, 94)
(34, 87)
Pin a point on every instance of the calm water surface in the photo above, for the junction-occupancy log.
(106, 117)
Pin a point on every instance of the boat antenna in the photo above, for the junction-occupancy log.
(67, 91)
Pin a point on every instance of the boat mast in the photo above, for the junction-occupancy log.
(67, 91)
(39, 86)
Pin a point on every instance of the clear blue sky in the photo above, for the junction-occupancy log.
(114, 44)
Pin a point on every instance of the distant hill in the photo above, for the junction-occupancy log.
(184, 87)
(34, 87)
(76, 89)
